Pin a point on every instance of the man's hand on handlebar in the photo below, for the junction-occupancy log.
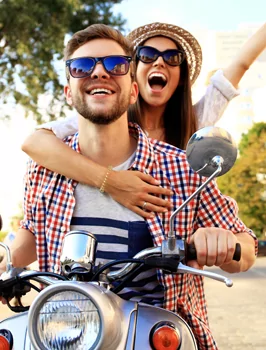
(214, 246)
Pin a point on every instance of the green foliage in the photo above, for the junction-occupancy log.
(249, 138)
(32, 34)
(2, 236)
(246, 182)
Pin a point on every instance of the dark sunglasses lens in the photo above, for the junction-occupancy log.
(147, 54)
(116, 65)
(173, 57)
(81, 67)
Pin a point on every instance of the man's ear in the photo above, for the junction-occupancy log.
(134, 93)
(68, 94)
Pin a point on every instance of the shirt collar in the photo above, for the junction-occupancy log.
(73, 142)
(144, 154)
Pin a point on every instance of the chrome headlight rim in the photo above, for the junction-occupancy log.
(51, 291)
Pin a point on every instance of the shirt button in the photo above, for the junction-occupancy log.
(63, 229)
(56, 268)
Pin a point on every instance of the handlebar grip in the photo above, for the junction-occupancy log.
(237, 253)
(191, 253)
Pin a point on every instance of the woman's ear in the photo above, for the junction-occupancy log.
(134, 93)
(68, 94)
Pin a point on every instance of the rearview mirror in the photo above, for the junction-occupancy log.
(207, 143)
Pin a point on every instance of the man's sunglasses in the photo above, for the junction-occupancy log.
(83, 67)
(148, 54)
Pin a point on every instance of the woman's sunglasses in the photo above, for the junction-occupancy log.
(148, 54)
(83, 67)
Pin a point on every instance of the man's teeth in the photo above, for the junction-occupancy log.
(162, 76)
(100, 91)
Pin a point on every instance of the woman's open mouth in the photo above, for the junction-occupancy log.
(157, 81)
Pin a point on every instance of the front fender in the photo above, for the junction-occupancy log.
(18, 326)
(148, 316)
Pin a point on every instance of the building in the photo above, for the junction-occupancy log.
(219, 49)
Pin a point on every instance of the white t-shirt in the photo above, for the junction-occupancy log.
(208, 109)
(120, 233)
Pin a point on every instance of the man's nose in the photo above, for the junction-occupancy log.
(99, 72)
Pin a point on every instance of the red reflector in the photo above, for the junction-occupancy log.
(166, 337)
(4, 343)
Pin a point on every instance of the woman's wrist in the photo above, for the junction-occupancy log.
(103, 186)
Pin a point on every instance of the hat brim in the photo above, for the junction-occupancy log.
(183, 38)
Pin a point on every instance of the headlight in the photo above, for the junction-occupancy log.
(65, 320)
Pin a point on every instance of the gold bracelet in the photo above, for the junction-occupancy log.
(105, 179)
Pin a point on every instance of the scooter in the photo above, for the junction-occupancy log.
(81, 309)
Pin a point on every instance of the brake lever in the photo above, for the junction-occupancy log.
(187, 269)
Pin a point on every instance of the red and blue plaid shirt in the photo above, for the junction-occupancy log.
(49, 204)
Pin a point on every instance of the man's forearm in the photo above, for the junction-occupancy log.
(23, 249)
(248, 256)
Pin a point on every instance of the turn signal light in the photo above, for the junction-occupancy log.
(165, 336)
(6, 339)
(4, 343)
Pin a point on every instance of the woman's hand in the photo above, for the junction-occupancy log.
(138, 192)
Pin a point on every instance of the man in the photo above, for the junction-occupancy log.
(100, 87)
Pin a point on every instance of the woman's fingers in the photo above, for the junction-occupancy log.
(134, 190)
(156, 203)
(147, 178)
(145, 214)
(153, 185)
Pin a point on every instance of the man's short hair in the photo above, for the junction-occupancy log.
(97, 31)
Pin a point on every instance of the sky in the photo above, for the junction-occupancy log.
(193, 15)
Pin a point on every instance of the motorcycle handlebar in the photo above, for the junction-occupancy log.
(191, 253)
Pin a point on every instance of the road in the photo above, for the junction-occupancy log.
(238, 314)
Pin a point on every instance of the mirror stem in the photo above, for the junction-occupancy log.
(217, 161)
(9, 264)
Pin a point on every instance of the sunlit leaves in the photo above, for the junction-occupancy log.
(32, 35)
(246, 182)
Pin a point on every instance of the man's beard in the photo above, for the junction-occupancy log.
(98, 117)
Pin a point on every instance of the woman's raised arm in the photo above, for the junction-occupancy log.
(253, 47)
(130, 188)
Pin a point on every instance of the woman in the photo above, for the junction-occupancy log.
(168, 62)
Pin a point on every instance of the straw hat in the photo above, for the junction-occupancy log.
(184, 39)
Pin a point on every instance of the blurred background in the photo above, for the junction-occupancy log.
(32, 38)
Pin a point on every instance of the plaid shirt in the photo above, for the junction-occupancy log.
(49, 204)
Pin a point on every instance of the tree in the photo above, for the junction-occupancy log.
(248, 139)
(32, 34)
(246, 182)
